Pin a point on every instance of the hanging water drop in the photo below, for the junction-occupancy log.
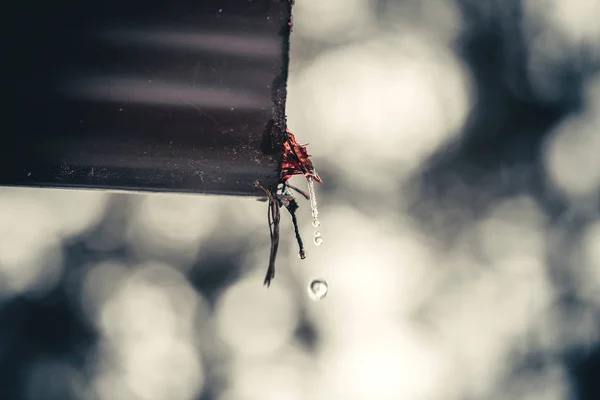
(318, 289)
(302, 254)
(313, 207)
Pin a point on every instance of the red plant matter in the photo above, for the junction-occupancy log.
(291, 23)
(296, 160)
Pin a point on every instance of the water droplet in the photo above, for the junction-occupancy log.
(318, 289)
(318, 240)
(313, 202)
(302, 254)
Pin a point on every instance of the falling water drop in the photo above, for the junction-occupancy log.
(318, 240)
(313, 206)
(318, 289)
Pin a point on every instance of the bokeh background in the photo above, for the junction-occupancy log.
(460, 148)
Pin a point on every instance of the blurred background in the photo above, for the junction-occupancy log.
(458, 143)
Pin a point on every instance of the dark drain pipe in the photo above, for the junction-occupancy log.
(183, 96)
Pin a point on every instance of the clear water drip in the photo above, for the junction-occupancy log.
(318, 240)
(313, 207)
(318, 289)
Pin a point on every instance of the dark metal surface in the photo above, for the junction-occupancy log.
(154, 95)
